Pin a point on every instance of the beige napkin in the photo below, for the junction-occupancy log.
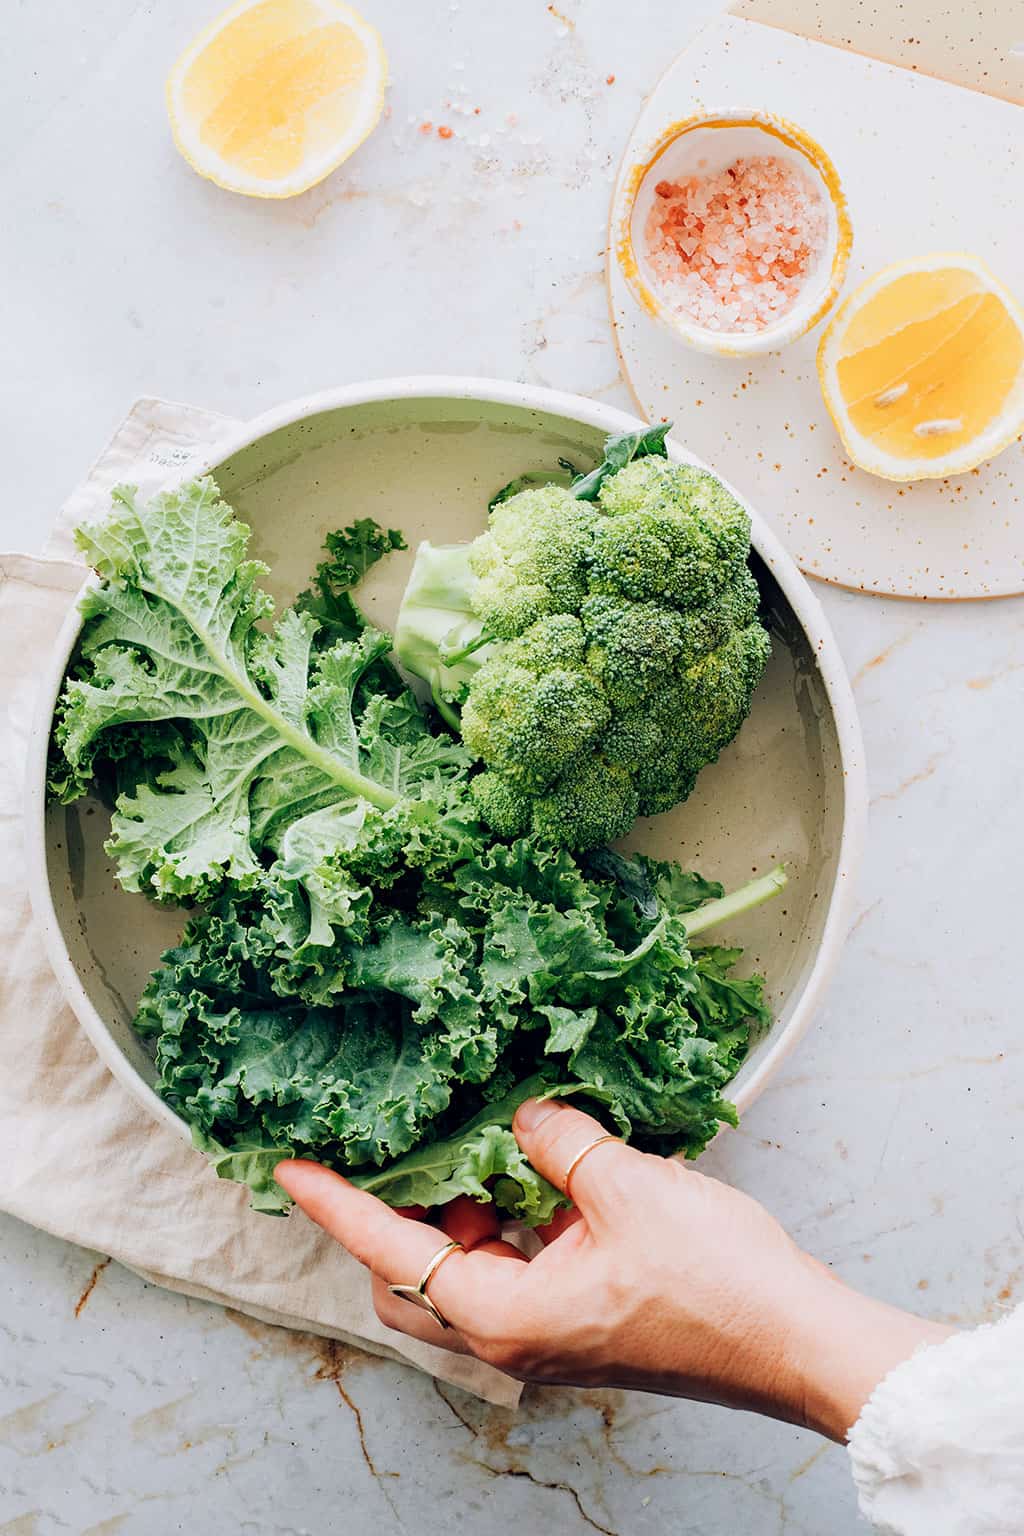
(80, 1158)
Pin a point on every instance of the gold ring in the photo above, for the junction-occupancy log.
(580, 1155)
(417, 1294)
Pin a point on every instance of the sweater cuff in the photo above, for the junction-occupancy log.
(938, 1449)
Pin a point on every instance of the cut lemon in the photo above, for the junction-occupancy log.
(922, 368)
(275, 94)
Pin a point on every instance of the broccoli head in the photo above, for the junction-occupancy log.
(602, 650)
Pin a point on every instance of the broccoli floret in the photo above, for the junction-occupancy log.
(634, 488)
(673, 534)
(724, 519)
(500, 803)
(613, 648)
(530, 725)
(593, 802)
(668, 738)
(654, 555)
(631, 647)
(690, 492)
(557, 641)
(704, 629)
(717, 689)
(532, 560)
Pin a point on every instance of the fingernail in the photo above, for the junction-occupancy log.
(532, 1113)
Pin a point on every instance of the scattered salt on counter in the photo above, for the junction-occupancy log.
(732, 251)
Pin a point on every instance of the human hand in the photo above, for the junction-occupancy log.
(660, 1278)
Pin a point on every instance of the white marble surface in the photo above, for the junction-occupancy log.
(888, 1145)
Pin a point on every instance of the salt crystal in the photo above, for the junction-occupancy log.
(739, 243)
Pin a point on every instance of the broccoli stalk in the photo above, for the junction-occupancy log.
(437, 631)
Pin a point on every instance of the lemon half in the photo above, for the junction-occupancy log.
(922, 369)
(275, 94)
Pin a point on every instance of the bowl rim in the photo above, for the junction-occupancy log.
(580, 410)
(801, 318)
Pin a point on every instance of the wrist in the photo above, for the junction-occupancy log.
(842, 1345)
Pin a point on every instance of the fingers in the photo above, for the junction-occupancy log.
(553, 1134)
(389, 1244)
(466, 1287)
(398, 1314)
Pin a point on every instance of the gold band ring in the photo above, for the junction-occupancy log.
(417, 1294)
(580, 1155)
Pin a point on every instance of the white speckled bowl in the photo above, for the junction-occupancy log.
(425, 455)
(705, 144)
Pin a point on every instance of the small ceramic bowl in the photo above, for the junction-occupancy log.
(706, 144)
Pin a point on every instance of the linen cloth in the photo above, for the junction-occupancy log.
(81, 1159)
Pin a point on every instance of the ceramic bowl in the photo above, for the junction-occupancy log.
(704, 145)
(425, 455)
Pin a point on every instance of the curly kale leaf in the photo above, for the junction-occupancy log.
(398, 1051)
(351, 552)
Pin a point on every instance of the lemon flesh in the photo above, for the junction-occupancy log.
(923, 370)
(275, 94)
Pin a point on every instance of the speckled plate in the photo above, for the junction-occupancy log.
(925, 166)
(425, 455)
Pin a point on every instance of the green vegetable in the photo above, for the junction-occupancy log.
(393, 1059)
(602, 642)
(269, 730)
(618, 452)
(372, 979)
(351, 552)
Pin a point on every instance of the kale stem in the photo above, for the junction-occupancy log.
(750, 895)
(300, 741)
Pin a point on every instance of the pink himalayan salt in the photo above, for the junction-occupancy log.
(732, 251)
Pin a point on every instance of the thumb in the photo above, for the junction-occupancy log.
(553, 1134)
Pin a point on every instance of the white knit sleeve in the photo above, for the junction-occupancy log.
(939, 1447)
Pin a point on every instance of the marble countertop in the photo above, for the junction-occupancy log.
(888, 1145)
